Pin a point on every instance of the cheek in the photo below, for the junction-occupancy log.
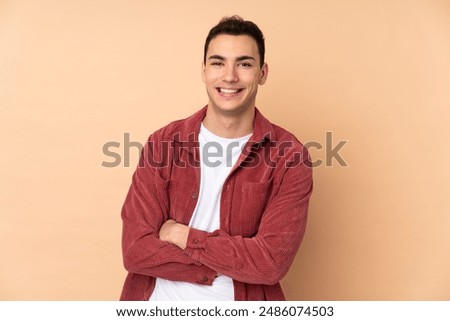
(211, 74)
(250, 79)
(210, 80)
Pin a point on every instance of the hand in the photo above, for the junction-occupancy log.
(174, 233)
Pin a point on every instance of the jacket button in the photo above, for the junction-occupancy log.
(205, 279)
(196, 241)
(194, 195)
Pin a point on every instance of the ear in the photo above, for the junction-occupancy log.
(203, 71)
(263, 74)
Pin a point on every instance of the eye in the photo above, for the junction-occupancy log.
(245, 64)
(216, 63)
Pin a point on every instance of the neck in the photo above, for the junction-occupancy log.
(229, 126)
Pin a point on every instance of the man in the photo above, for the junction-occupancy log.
(218, 204)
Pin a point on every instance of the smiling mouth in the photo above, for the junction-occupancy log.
(229, 91)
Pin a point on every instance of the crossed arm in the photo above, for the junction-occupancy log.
(155, 245)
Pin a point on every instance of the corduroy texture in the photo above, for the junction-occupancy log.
(263, 212)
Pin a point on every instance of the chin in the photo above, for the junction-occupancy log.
(237, 110)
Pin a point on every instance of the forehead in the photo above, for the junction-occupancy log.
(230, 46)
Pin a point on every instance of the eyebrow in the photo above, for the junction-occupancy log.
(240, 58)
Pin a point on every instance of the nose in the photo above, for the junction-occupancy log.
(230, 74)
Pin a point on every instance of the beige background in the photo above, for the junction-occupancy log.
(77, 74)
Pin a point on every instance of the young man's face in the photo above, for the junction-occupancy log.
(232, 73)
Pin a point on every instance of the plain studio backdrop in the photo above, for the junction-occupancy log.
(374, 75)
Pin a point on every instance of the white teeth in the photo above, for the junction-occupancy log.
(228, 91)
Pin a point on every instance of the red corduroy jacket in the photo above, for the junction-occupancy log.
(263, 212)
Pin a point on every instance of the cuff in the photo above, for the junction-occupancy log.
(207, 277)
(196, 242)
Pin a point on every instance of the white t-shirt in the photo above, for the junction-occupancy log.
(218, 156)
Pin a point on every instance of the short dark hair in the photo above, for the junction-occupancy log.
(236, 26)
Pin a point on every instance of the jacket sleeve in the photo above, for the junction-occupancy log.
(266, 257)
(145, 209)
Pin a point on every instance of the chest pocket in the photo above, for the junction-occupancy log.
(254, 199)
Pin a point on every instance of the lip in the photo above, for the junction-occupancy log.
(228, 92)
